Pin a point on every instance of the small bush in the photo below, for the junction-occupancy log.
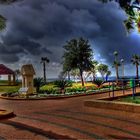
(98, 82)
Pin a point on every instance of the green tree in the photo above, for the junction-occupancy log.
(44, 61)
(136, 61)
(75, 73)
(78, 54)
(94, 69)
(66, 70)
(133, 15)
(116, 65)
(102, 69)
(3, 19)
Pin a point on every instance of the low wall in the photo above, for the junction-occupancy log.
(113, 105)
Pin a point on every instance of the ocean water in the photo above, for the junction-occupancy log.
(110, 78)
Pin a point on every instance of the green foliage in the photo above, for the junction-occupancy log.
(78, 55)
(38, 82)
(133, 16)
(2, 22)
(62, 84)
(3, 19)
(75, 73)
(130, 99)
(10, 94)
(98, 82)
(94, 69)
(135, 59)
(78, 89)
(50, 91)
(102, 69)
(9, 88)
(116, 64)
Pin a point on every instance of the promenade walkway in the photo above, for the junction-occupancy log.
(68, 119)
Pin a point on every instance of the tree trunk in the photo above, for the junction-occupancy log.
(44, 71)
(117, 74)
(68, 75)
(74, 77)
(93, 77)
(103, 77)
(137, 72)
(81, 75)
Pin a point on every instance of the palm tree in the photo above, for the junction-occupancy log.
(38, 82)
(136, 61)
(116, 55)
(44, 60)
(116, 64)
(78, 54)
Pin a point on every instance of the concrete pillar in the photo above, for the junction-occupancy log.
(9, 79)
(27, 77)
(14, 79)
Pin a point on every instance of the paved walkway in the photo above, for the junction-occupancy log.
(67, 119)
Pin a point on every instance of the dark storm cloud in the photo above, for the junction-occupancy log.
(41, 27)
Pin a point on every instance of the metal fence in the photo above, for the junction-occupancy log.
(123, 85)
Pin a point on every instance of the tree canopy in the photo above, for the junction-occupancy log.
(103, 69)
(132, 10)
(3, 19)
(78, 54)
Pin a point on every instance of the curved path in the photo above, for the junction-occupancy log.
(67, 119)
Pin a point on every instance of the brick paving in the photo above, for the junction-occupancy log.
(67, 119)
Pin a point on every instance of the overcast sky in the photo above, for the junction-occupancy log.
(37, 28)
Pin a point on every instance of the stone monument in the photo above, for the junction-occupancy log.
(27, 72)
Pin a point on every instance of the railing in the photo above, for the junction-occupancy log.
(124, 85)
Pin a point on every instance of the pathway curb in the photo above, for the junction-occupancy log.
(5, 114)
(106, 103)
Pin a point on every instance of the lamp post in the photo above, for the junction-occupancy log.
(122, 62)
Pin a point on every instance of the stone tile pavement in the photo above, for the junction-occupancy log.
(67, 119)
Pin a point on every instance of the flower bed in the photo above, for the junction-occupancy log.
(56, 94)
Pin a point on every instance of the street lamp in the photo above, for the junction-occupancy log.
(122, 62)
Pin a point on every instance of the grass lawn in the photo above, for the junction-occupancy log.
(130, 99)
(4, 87)
(9, 88)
